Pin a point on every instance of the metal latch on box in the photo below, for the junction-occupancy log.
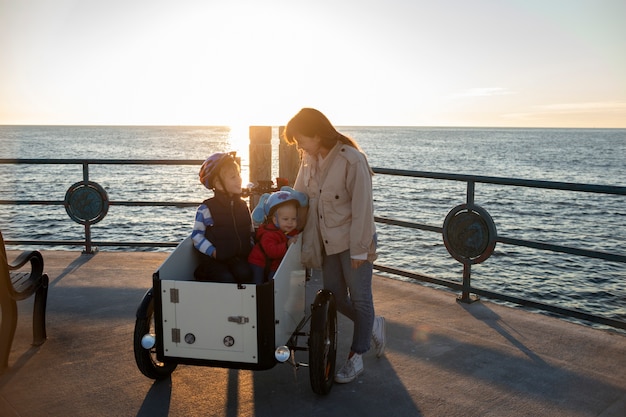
(238, 319)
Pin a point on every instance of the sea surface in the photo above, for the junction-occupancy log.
(582, 220)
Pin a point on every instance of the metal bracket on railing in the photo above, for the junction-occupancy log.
(87, 203)
(469, 234)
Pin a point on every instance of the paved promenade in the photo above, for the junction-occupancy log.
(443, 359)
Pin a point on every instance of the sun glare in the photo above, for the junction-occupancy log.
(238, 139)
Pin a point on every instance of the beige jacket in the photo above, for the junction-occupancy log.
(341, 207)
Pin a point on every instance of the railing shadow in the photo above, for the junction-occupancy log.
(71, 267)
(483, 313)
(522, 376)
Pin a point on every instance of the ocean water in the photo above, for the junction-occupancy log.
(588, 221)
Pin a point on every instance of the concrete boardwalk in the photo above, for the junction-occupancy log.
(443, 359)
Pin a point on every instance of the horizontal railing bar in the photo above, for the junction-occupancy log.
(43, 161)
(554, 309)
(517, 242)
(94, 243)
(563, 249)
(138, 244)
(486, 293)
(553, 185)
(410, 225)
(32, 202)
(111, 203)
(156, 203)
(419, 277)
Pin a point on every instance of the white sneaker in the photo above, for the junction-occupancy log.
(350, 370)
(379, 336)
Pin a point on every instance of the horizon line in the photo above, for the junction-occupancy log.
(282, 125)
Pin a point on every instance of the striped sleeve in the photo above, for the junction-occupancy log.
(203, 219)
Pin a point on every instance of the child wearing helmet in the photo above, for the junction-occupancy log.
(222, 230)
(278, 213)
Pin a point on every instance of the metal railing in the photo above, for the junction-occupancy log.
(85, 163)
(466, 288)
(471, 180)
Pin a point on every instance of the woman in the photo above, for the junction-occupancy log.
(339, 235)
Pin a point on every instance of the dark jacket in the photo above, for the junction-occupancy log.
(231, 230)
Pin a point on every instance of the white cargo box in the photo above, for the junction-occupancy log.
(226, 323)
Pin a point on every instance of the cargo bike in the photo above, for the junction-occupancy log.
(236, 326)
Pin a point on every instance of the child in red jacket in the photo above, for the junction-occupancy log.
(278, 231)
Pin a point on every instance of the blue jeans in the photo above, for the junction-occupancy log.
(353, 293)
(258, 274)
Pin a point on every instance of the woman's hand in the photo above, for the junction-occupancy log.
(357, 263)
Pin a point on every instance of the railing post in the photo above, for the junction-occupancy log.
(85, 172)
(88, 250)
(260, 158)
(288, 159)
(471, 186)
(467, 267)
(467, 286)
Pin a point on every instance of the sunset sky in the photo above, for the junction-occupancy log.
(517, 63)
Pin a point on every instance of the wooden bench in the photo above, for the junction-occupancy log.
(16, 285)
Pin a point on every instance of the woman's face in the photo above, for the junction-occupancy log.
(309, 144)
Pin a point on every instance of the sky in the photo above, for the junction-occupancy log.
(501, 63)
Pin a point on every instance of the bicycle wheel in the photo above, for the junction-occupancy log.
(323, 342)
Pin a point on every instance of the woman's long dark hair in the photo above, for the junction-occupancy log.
(311, 122)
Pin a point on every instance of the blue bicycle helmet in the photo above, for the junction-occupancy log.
(268, 203)
(277, 199)
(211, 166)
